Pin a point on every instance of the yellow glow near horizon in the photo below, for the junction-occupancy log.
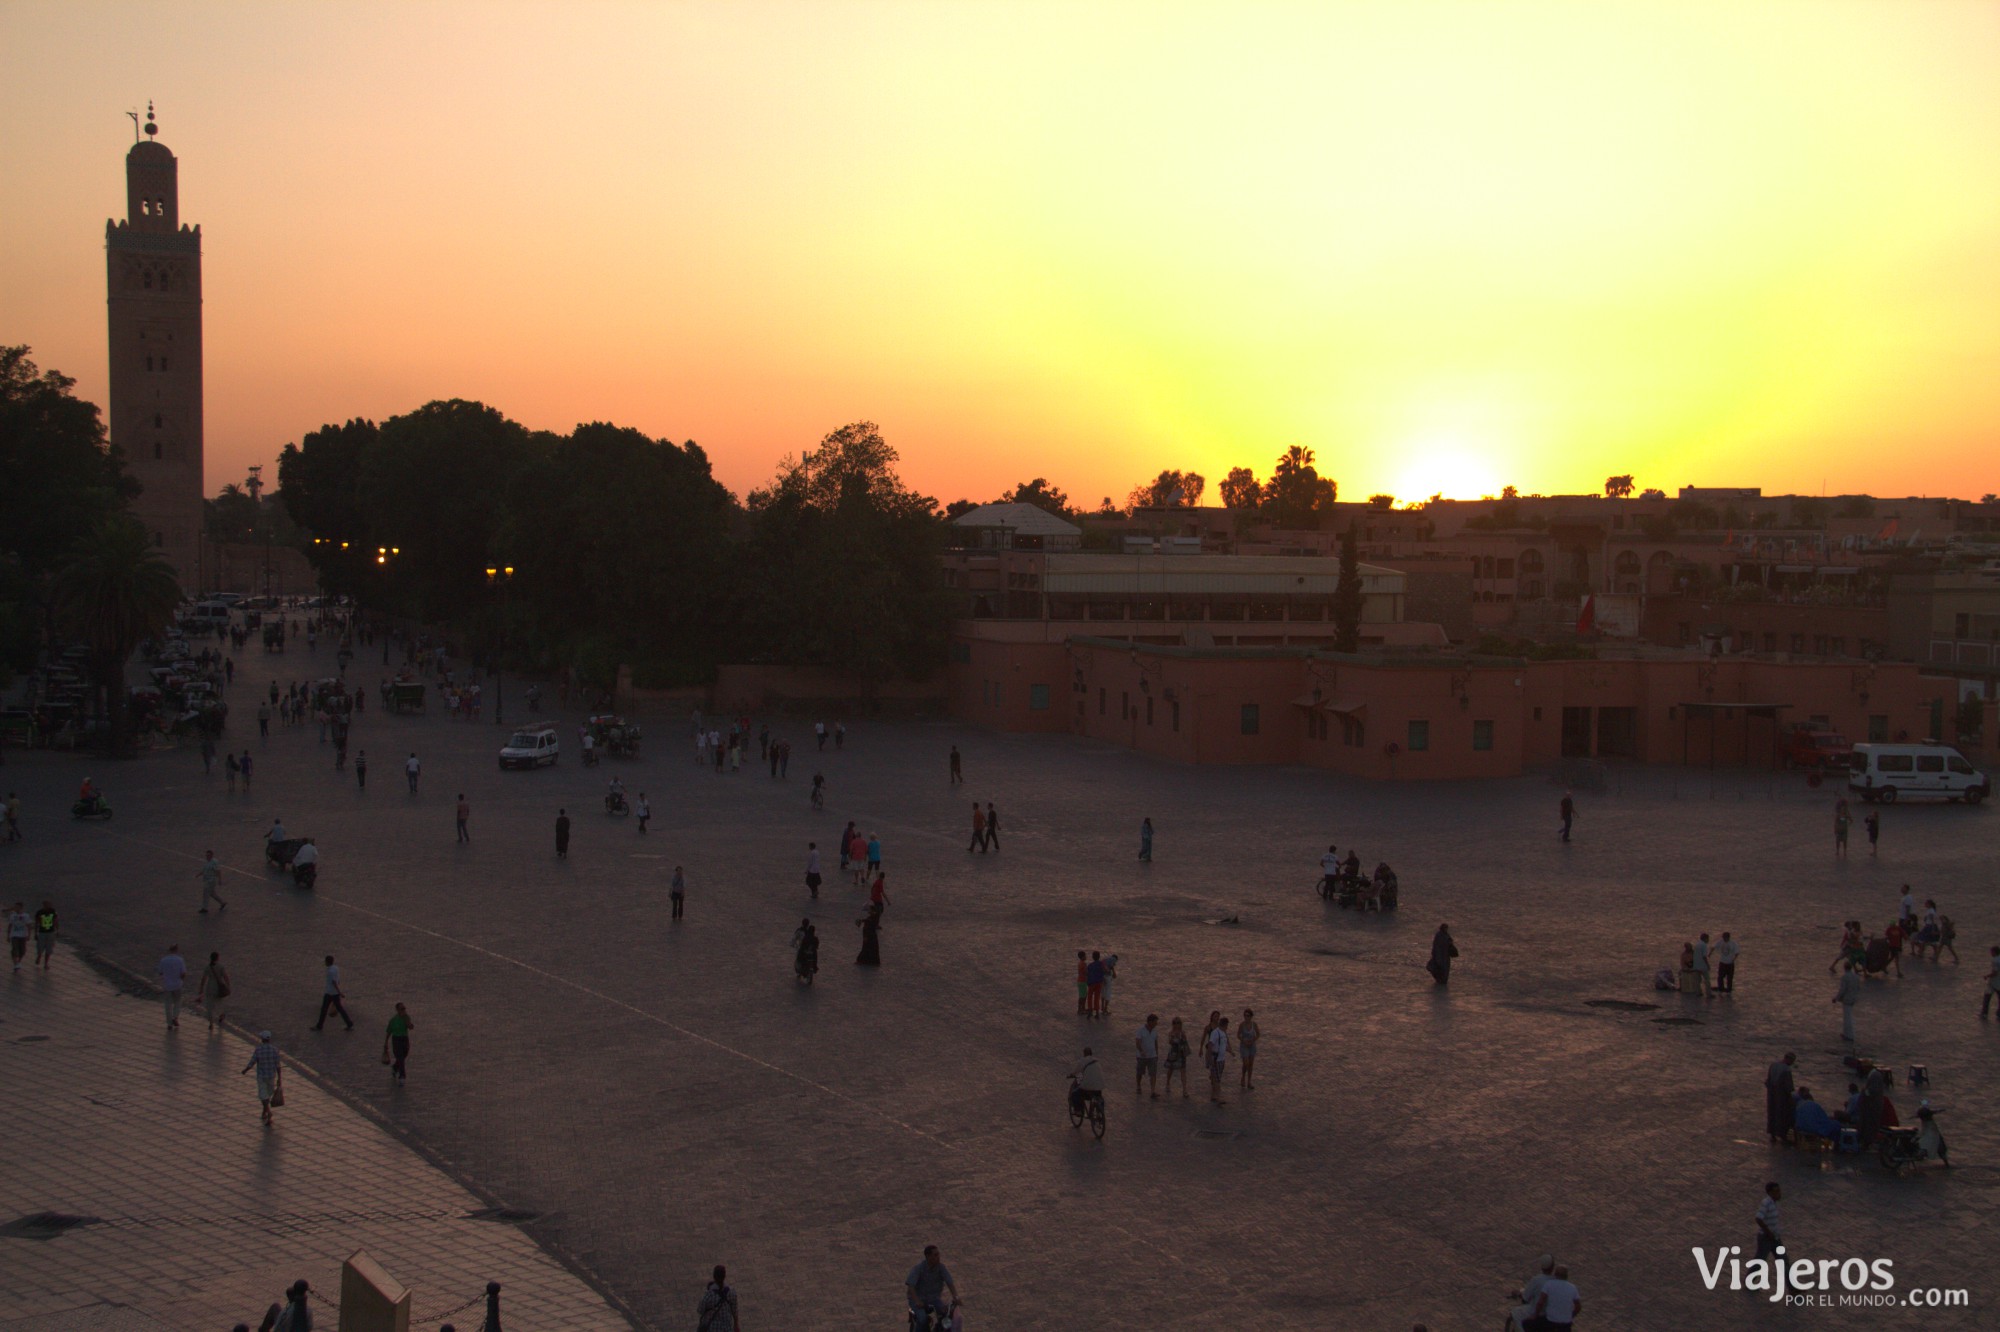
(1450, 245)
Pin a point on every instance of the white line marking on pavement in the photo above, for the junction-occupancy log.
(615, 1002)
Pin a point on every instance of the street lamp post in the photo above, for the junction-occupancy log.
(501, 576)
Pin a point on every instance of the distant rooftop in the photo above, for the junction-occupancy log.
(1025, 518)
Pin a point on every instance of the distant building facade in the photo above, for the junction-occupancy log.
(153, 291)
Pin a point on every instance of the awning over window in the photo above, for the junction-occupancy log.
(1348, 707)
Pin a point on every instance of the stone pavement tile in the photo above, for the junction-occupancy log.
(665, 1097)
(199, 1216)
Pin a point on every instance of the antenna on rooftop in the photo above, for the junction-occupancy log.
(135, 125)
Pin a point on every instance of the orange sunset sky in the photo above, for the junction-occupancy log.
(1450, 246)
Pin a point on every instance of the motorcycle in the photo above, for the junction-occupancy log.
(615, 803)
(306, 875)
(96, 808)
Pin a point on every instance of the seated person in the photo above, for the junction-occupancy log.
(1929, 1138)
(1809, 1116)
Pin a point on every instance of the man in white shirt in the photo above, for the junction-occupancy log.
(173, 974)
(1701, 964)
(1907, 914)
(812, 869)
(1559, 1302)
(330, 1001)
(1530, 1293)
(1725, 965)
(1089, 1077)
(411, 769)
(1148, 1041)
(1216, 1054)
(1769, 1233)
(1329, 870)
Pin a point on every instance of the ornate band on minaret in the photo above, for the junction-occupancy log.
(153, 286)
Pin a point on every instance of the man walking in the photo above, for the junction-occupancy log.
(1847, 996)
(645, 811)
(361, 769)
(411, 770)
(812, 869)
(562, 834)
(1568, 814)
(396, 1043)
(1725, 965)
(210, 875)
(45, 934)
(678, 892)
(992, 827)
(17, 935)
(264, 721)
(244, 764)
(1769, 1234)
(173, 974)
(330, 1001)
(1701, 966)
(957, 773)
(1992, 980)
(1147, 1039)
(978, 842)
(270, 1071)
(1093, 983)
(464, 814)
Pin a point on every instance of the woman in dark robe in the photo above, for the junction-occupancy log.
(1779, 1109)
(807, 961)
(1443, 950)
(871, 941)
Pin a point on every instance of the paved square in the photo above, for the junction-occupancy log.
(666, 1096)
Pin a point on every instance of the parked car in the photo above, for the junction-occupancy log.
(531, 747)
(1888, 773)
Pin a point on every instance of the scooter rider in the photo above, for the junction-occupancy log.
(305, 862)
(926, 1284)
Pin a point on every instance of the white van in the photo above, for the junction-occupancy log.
(208, 613)
(1888, 773)
(531, 747)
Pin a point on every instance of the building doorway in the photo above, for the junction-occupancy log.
(1576, 733)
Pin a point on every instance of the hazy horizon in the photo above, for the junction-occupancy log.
(1449, 246)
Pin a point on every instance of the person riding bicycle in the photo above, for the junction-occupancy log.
(1089, 1078)
(614, 798)
(925, 1287)
(88, 796)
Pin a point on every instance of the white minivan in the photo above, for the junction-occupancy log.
(531, 747)
(1888, 773)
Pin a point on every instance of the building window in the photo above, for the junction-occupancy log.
(156, 450)
(1149, 709)
(1482, 735)
(1038, 698)
(1100, 700)
(1420, 736)
(159, 421)
(1125, 706)
(1878, 728)
(149, 363)
(1770, 642)
(1249, 719)
(1798, 642)
(1352, 733)
(1538, 714)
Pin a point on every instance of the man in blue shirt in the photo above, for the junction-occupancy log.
(927, 1283)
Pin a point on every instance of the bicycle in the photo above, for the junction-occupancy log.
(1086, 1105)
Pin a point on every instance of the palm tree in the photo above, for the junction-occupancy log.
(115, 595)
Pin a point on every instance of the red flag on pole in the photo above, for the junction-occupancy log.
(1586, 617)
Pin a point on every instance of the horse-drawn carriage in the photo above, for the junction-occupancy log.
(274, 636)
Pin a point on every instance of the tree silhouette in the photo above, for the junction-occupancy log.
(1241, 489)
(1297, 494)
(1168, 490)
(1041, 494)
(1618, 487)
(114, 595)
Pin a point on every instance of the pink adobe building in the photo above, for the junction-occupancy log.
(1414, 716)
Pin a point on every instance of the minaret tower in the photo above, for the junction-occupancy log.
(153, 281)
